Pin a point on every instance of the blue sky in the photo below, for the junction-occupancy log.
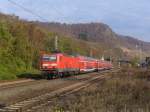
(127, 17)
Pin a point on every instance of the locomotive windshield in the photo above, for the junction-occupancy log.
(49, 58)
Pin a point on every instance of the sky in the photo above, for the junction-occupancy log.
(126, 17)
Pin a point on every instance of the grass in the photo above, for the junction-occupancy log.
(9, 74)
(5, 73)
(126, 91)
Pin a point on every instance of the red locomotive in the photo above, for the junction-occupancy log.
(60, 65)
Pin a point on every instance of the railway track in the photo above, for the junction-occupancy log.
(49, 101)
(32, 104)
(19, 84)
(4, 83)
(25, 82)
(13, 93)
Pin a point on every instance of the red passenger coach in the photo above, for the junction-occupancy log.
(86, 64)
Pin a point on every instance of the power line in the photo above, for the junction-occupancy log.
(54, 8)
(33, 13)
(27, 10)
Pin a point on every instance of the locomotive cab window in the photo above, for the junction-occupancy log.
(49, 58)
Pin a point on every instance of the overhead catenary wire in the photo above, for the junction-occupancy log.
(27, 10)
(35, 14)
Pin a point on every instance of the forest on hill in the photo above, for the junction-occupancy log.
(22, 41)
(99, 33)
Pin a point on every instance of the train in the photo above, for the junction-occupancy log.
(61, 65)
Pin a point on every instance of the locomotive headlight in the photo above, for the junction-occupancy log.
(45, 65)
(53, 64)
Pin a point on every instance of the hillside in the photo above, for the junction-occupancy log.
(22, 41)
(99, 33)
